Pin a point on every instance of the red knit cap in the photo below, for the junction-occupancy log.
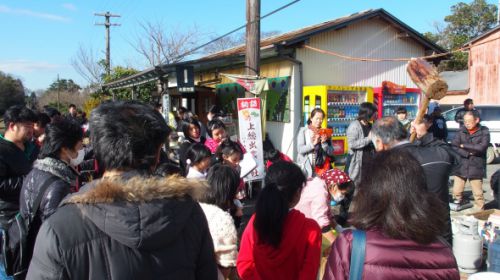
(335, 176)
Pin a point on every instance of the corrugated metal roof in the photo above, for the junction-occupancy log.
(491, 31)
(306, 32)
(457, 80)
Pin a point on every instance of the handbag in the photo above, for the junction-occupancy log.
(357, 255)
(322, 162)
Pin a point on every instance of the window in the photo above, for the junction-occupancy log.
(450, 115)
(489, 113)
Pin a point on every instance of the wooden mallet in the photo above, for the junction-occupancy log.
(426, 77)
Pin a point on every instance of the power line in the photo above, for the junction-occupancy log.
(236, 29)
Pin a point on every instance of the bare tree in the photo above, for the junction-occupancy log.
(161, 46)
(49, 97)
(87, 64)
(233, 41)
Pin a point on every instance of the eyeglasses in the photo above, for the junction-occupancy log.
(26, 125)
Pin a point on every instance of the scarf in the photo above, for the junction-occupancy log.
(474, 130)
(57, 168)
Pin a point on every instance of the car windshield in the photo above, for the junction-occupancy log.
(450, 115)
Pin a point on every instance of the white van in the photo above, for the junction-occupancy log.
(490, 117)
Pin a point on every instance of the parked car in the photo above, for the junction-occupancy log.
(490, 117)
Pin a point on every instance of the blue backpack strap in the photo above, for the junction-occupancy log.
(357, 255)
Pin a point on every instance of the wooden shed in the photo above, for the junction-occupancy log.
(484, 68)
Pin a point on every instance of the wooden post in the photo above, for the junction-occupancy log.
(58, 89)
(252, 39)
(134, 90)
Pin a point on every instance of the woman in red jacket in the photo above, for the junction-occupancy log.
(402, 221)
(280, 242)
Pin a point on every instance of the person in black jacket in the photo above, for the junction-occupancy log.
(61, 152)
(434, 156)
(439, 128)
(129, 224)
(15, 162)
(471, 143)
(459, 115)
(14, 158)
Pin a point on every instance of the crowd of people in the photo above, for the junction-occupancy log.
(119, 207)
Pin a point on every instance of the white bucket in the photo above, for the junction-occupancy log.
(485, 276)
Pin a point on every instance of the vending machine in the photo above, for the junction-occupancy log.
(389, 97)
(341, 105)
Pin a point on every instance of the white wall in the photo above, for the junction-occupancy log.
(283, 134)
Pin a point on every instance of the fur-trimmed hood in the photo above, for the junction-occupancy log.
(140, 212)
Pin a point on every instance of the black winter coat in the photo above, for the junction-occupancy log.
(437, 160)
(127, 228)
(43, 170)
(473, 154)
(14, 165)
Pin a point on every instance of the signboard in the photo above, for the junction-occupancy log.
(166, 106)
(251, 134)
(338, 147)
(185, 78)
(252, 84)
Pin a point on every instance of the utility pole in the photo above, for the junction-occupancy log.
(498, 13)
(107, 24)
(252, 39)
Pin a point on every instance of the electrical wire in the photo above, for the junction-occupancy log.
(236, 30)
(368, 59)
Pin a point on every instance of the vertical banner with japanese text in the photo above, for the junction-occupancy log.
(249, 118)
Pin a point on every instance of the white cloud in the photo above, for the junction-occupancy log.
(69, 6)
(24, 12)
(27, 66)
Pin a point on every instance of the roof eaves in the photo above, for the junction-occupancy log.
(489, 32)
(417, 35)
(367, 15)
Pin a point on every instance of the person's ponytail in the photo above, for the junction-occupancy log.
(271, 210)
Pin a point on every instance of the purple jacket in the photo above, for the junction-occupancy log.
(388, 258)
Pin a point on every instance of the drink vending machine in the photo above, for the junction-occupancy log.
(341, 105)
(389, 97)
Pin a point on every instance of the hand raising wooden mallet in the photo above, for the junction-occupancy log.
(426, 77)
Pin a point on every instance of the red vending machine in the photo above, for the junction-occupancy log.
(389, 97)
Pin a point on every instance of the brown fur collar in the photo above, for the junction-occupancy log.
(140, 189)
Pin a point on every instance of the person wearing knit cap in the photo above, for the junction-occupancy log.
(317, 195)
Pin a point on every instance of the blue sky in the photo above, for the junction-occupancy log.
(40, 37)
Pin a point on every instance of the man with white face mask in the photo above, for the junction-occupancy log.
(61, 152)
(436, 160)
